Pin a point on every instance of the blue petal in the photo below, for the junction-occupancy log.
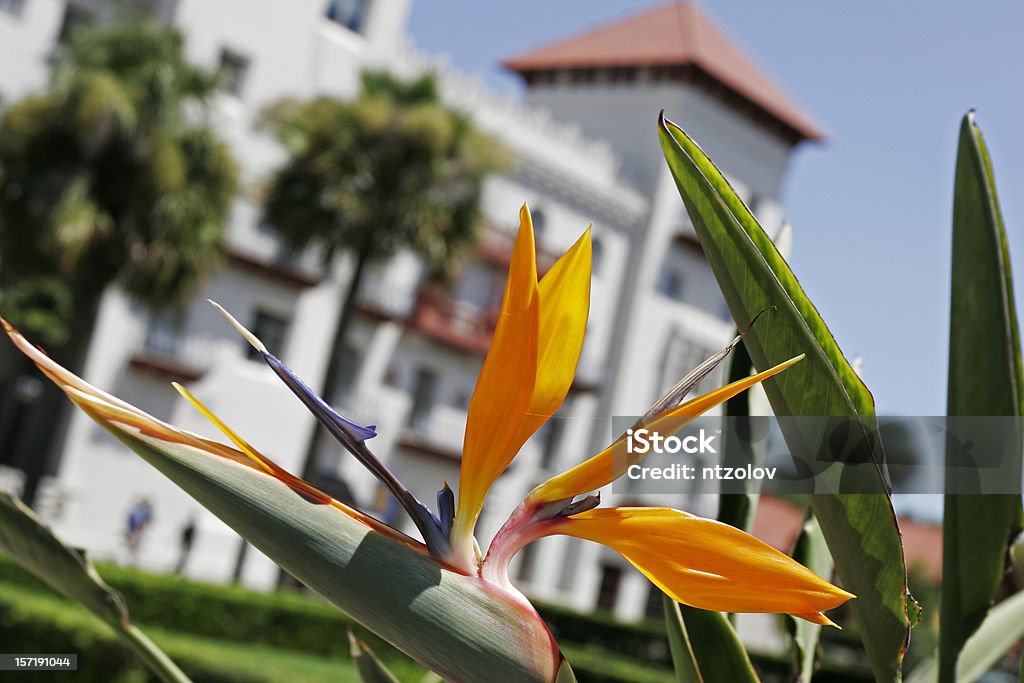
(341, 428)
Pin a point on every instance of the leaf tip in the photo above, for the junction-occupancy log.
(249, 336)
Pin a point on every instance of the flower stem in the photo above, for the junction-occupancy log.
(522, 527)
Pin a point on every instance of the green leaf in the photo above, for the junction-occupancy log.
(565, 673)
(985, 378)
(812, 552)
(31, 544)
(1000, 631)
(738, 509)
(860, 529)
(684, 661)
(459, 626)
(371, 669)
(705, 647)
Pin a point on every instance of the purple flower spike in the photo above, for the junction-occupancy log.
(352, 437)
(339, 426)
(344, 430)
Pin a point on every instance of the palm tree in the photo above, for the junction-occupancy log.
(109, 177)
(391, 169)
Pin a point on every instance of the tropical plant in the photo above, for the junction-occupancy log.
(450, 605)
(393, 169)
(445, 602)
(860, 529)
(109, 178)
(28, 541)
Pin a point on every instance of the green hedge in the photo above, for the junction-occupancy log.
(601, 648)
(219, 614)
(286, 618)
(32, 621)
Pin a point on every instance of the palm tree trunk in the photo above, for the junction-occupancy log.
(331, 376)
(43, 423)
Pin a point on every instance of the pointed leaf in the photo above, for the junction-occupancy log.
(705, 647)
(684, 661)
(1001, 630)
(565, 673)
(985, 378)
(453, 623)
(459, 626)
(861, 530)
(738, 509)
(371, 669)
(30, 543)
(812, 552)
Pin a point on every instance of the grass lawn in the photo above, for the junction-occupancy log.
(57, 625)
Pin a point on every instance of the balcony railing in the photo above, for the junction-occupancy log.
(458, 323)
(439, 431)
(173, 353)
(377, 295)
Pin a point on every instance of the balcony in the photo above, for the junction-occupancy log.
(438, 432)
(453, 322)
(381, 298)
(171, 353)
(434, 312)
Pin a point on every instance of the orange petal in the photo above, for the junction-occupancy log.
(611, 463)
(504, 388)
(564, 307)
(707, 564)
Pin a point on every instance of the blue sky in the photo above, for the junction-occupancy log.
(871, 208)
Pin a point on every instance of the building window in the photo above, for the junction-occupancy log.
(269, 328)
(232, 70)
(671, 277)
(570, 562)
(670, 284)
(655, 608)
(539, 222)
(541, 76)
(348, 360)
(551, 435)
(349, 13)
(608, 591)
(527, 563)
(597, 251)
(12, 7)
(423, 390)
(754, 203)
(622, 74)
(586, 75)
(165, 333)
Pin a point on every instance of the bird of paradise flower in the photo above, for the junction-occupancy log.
(525, 377)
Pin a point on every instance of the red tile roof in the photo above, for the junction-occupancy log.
(778, 524)
(678, 34)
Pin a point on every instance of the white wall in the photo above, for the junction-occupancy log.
(626, 115)
(26, 40)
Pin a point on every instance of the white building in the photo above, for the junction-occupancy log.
(588, 151)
